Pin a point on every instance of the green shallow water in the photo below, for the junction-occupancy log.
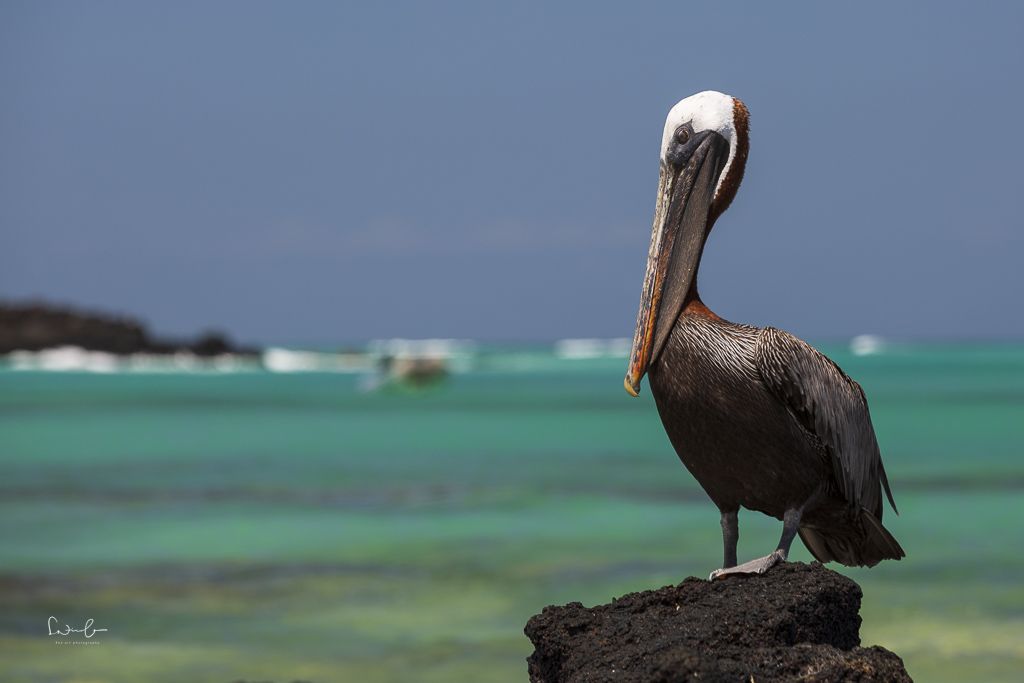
(278, 527)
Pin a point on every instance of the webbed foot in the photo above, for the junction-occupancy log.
(758, 566)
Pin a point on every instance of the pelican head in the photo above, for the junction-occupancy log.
(703, 154)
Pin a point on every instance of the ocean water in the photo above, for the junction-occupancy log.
(262, 526)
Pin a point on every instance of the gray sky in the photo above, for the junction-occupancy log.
(339, 171)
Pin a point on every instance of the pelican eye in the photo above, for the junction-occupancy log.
(682, 135)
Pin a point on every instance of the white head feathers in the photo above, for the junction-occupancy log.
(708, 110)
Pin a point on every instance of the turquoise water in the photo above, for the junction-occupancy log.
(278, 527)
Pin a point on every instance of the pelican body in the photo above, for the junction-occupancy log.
(761, 419)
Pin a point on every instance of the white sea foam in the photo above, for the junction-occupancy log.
(75, 359)
(866, 344)
(64, 359)
(421, 348)
(276, 359)
(457, 356)
(584, 349)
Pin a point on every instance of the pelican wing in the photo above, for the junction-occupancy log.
(832, 407)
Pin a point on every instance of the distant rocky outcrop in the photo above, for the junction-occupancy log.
(798, 622)
(38, 326)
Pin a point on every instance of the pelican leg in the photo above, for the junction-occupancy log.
(790, 526)
(730, 537)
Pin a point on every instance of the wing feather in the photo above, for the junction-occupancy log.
(831, 406)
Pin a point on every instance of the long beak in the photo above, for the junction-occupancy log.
(685, 193)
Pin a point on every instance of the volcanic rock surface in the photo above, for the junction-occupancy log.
(798, 622)
(37, 326)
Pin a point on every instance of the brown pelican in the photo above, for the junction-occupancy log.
(760, 418)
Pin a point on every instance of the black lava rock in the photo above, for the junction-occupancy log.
(36, 326)
(797, 622)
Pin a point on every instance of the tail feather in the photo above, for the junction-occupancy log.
(862, 544)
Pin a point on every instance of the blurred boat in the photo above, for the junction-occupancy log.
(417, 362)
(414, 371)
